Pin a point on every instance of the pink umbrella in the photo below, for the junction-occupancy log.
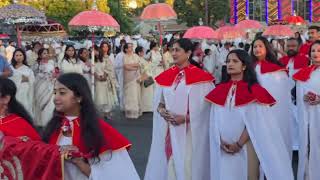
(201, 32)
(295, 20)
(94, 21)
(249, 24)
(230, 33)
(158, 12)
(278, 31)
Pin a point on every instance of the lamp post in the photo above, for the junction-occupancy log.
(206, 12)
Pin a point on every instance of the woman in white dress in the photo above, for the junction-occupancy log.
(70, 62)
(158, 64)
(167, 56)
(308, 105)
(105, 84)
(83, 55)
(91, 147)
(106, 52)
(146, 73)
(45, 74)
(23, 77)
(235, 119)
(131, 86)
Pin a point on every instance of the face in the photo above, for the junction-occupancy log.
(141, 54)
(292, 47)
(4, 101)
(64, 99)
(315, 54)
(85, 54)
(37, 47)
(296, 35)
(313, 35)
(18, 56)
(105, 48)
(259, 49)
(70, 52)
(180, 56)
(130, 48)
(234, 65)
(45, 55)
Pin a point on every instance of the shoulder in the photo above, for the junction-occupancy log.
(303, 74)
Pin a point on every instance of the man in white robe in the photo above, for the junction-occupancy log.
(118, 66)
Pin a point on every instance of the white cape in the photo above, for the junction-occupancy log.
(118, 67)
(309, 126)
(199, 110)
(264, 135)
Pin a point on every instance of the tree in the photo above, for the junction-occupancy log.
(120, 13)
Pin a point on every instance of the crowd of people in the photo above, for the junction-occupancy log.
(221, 111)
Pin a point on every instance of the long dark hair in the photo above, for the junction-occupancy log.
(66, 56)
(81, 50)
(40, 53)
(99, 57)
(249, 74)
(109, 47)
(13, 60)
(271, 54)
(187, 45)
(89, 119)
(8, 88)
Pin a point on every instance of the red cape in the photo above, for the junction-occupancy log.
(31, 159)
(258, 94)
(305, 48)
(193, 75)
(15, 126)
(114, 140)
(299, 61)
(268, 67)
(304, 74)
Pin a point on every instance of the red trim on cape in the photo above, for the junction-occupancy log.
(258, 94)
(305, 48)
(299, 61)
(15, 126)
(304, 74)
(192, 75)
(268, 67)
(114, 140)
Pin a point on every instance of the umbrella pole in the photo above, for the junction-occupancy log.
(18, 36)
(92, 66)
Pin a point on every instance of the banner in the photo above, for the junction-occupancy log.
(232, 11)
(241, 10)
(285, 8)
(315, 10)
(272, 10)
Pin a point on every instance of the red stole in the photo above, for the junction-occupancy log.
(113, 139)
(192, 75)
(304, 74)
(242, 95)
(305, 48)
(268, 67)
(299, 61)
(15, 126)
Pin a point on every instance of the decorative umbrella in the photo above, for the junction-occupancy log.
(295, 20)
(230, 33)
(17, 14)
(201, 32)
(278, 31)
(4, 36)
(159, 12)
(93, 21)
(249, 24)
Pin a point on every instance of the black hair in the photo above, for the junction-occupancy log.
(13, 60)
(9, 88)
(317, 28)
(241, 45)
(153, 44)
(40, 53)
(81, 50)
(66, 56)
(206, 52)
(125, 47)
(299, 39)
(89, 120)
(270, 53)
(99, 57)
(187, 45)
(247, 47)
(109, 47)
(36, 43)
(138, 49)
(249, 74)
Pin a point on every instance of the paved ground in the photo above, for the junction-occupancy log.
(139, 132)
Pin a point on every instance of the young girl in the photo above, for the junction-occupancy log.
(70, 62)
(14, 119)
(240, 112)
(23, 77)
(76, 127)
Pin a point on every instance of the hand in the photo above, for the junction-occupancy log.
(65, 149)
(235, 148)
(225, 147)
(311, 98)
(178, 119)
(24, 79)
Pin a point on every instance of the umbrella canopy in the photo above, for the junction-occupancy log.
(278, 31)
(158, 12)
(21, 14)
(201, 32)
(295, 20)
(230, 33)
(94, 20)
(249, 24)
(4, 36)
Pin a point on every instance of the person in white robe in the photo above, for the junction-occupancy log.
(118, 67)
(156, 59)
(32, 55)
(180, 138)
(102, 153)
(273, 76)
(70, 62)
(23, 77)
(83, 55)
(167, 56)
(146, 89)
(308, 105)
(45, 74)
(235, 119)
(9, 51)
